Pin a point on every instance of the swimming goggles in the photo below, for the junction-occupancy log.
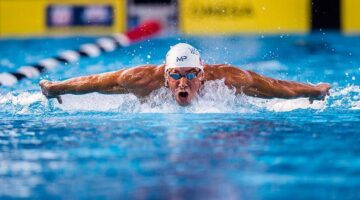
(189, 76)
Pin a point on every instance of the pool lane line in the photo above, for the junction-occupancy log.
(90, 50)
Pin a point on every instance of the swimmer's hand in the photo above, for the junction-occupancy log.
(323, 89)
(45, 89)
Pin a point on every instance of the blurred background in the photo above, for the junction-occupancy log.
(209, 17)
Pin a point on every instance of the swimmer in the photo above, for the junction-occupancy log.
(184, 74)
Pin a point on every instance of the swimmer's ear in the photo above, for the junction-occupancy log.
(202, 77)
(166, 83)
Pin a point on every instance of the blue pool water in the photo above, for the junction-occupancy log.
(221, 147)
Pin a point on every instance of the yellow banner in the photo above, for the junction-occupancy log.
(29, 17)
(350, 16)
(244, 16)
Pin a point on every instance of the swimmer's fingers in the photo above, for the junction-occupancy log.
(322, 91)
(311, 100)
(318, 98)
(59, 99)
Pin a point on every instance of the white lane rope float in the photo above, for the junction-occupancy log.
(102, 45)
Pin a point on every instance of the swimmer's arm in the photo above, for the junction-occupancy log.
(140, 80)
(265, 87)
(106, 83)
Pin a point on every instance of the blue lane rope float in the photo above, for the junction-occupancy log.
(92, 50)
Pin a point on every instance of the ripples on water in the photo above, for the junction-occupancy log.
(152, 146)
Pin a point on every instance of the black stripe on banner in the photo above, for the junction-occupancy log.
(18, 75)
(325, 14)
(39, 67)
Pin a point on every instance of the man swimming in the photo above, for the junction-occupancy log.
(184, 74)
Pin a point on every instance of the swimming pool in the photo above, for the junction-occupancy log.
(222, 146)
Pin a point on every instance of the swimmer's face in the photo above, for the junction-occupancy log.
(184, 83)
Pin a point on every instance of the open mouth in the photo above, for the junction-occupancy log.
(183, 94)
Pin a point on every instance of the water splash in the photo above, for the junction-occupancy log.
(215, 97)
(347, 98)
(23, 103)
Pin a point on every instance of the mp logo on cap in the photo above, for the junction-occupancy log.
(182, 58)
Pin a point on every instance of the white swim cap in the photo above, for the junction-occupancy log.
(183, 55)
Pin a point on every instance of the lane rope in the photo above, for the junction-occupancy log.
(91, 50)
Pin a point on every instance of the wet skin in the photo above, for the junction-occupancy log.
(142, 80)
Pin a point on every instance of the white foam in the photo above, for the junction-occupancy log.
(355, 105)
(215, 97)
(346, 98)
(20, 103)
(95, 102)
(23, 99)
(285, 105)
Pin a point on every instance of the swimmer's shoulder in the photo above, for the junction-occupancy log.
(221, 67)
(218, 66)
(220, 71)
(143, 74)
(152, 69)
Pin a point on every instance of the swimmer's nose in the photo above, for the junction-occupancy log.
(183, 82)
